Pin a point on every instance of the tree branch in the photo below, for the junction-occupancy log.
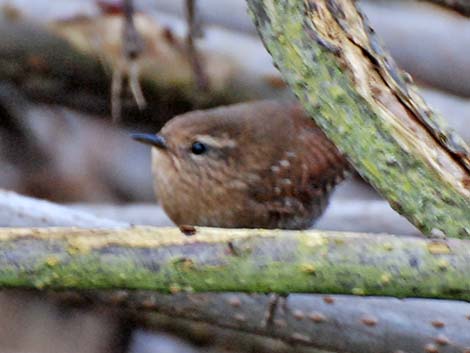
(460, 6)
(367, 216)
(304, 320)
(213, 338)
(21, 211)
(193, 31)
(394, 21)
(351, 87)
(71, 63)
(358, 325)
(162, 259)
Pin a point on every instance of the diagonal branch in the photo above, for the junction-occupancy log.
(331, 59)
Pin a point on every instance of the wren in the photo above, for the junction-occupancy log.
(254, 165)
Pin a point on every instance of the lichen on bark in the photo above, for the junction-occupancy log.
(351, 87)
(220, 260)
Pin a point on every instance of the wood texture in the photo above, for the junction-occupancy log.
(358, 325)
(164, 260)
(333, 62)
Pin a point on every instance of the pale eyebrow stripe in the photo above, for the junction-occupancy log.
(216, 142)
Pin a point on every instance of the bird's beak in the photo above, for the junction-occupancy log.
(151, 139)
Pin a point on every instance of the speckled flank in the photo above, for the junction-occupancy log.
(264, 164)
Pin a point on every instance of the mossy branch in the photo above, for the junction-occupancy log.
(164, 260)
(331, 59)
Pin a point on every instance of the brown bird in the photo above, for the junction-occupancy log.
(255, 165)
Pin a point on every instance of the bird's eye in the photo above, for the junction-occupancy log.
(198, 148)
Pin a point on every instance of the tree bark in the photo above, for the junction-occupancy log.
(334, 323)
(353, 90)
(382, 324)
(213, 338)
(162, 259)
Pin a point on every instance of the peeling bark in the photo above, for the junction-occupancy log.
(331, 59)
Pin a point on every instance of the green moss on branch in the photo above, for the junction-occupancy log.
(337, 69)
(164, 260)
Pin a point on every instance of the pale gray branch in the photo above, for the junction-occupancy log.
(21, 211)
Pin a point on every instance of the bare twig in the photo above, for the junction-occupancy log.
(194, 30)
(59, 64)
(128, 66)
